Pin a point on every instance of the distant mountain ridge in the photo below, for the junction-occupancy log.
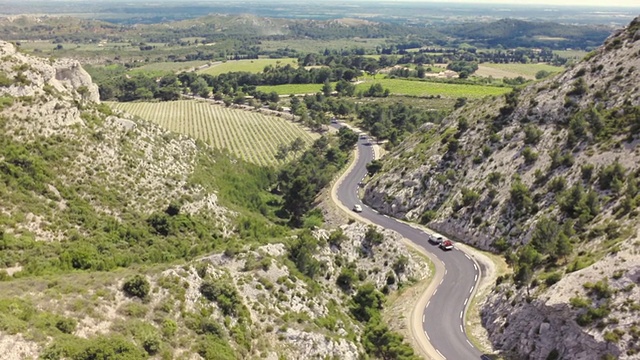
(506, 32)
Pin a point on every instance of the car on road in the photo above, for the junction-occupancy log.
(436, 239)
(357, 208)
(363, 136)
(446, 245)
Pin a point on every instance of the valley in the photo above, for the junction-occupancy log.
(237, 185)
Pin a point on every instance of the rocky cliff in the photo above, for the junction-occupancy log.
(549, 176)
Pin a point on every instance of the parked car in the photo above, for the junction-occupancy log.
(357, 208)
(446, 245)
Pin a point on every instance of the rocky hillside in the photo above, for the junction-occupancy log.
(122, 239)
(547, 175)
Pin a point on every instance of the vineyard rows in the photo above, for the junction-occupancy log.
(252, 136)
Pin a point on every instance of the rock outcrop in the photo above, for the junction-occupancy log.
(500, 173)
(31, 74)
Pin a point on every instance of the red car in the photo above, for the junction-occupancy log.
(446, 245)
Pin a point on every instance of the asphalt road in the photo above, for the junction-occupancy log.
(443, 317)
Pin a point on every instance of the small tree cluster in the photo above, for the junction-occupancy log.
(137, 286)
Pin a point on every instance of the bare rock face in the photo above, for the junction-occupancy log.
(71, 74)
(31, 74)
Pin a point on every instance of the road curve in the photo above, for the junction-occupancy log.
(443, 316)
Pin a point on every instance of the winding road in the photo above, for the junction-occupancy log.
(443, 317)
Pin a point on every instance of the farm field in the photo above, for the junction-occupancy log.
(250, 135)
(571, 54)
(400, 87)
(288, 89)
(253, 65)
(527, 71)
(171, 66)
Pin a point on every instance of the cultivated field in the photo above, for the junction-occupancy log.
(253, 65)
(250, 135)
(401, 87)
(571, 54)
(528, 71)
(288, 89)
(171, 66)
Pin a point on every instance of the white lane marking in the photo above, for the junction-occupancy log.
(439, 353)
(426, 306)
(460, 314)
(442, 262)
(423, 320)
(469, 342)
(470, 291)
(465, 301)
(427, 335)
(467, 256)
(435, 291)
(475, 278)
(441, 280)
(445, 271)
(474, 266)
(461, 329)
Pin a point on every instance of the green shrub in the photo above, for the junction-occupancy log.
(5, 81)
(301, 251)
(557, 184)
(611, 336)
(469, 197)
(372, 237)
(494, 178)
(336, 238)
(347, 278)
(610, 175)
(133, 309)
(600, 289)
(137, 286)
(99, 348)
(427, 216)
(553, 278)
(532, 134)
(169, 328)
(151, 344)
(224, 293)
(587, 172)
(530, 156)
(66, 325)
(213, 348)
(579, 302)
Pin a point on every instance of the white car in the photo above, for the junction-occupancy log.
(436, 239)
(357, 208)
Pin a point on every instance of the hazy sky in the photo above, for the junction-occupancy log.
(602, 3)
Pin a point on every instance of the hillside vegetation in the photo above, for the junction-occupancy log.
(122, 240)
(548, 175)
